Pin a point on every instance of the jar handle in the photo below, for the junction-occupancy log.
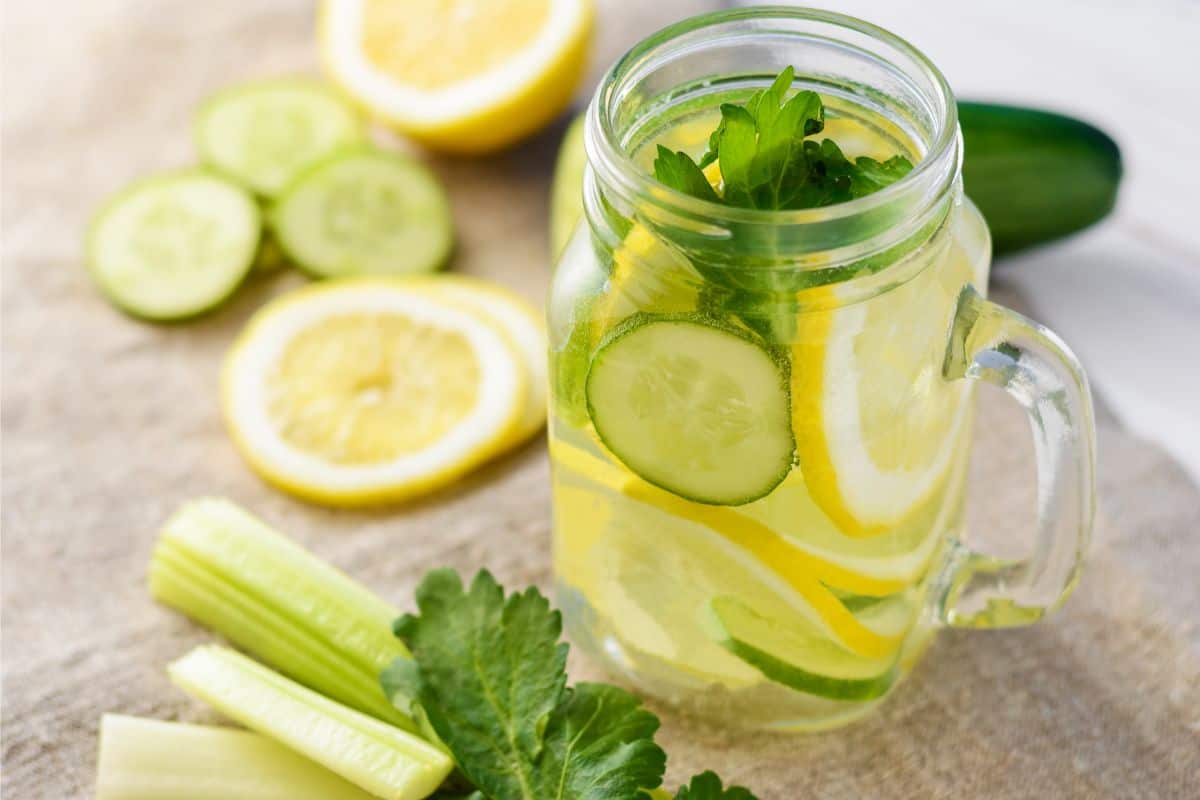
(992, 344)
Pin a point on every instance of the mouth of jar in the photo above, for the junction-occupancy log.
(708, 58)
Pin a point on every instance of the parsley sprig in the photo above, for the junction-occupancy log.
(488, 674)
(767, 160)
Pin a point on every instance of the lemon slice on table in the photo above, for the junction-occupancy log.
(877, 427)
(459, 75)
(364, 391)
(520, 321)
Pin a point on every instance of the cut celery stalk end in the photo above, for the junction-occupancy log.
(382, 759)
(231, 572)
(148, 759)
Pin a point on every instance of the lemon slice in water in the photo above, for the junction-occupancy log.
(460, 75)
(367, 391)
(692, 557)
(877, 426)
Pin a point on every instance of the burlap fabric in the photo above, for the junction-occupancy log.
(109, 424)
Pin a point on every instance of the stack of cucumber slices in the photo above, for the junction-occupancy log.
(287, 176)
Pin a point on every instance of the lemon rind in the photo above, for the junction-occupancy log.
(478, 114)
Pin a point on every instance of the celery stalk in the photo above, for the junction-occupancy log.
(231, 572)
(147, 759)
(214, 603)
(382, 759)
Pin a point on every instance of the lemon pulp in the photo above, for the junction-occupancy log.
(371, 390)
(459, 75)
(368, 388)
(431, 44)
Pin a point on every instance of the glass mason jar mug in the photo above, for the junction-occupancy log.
(760, 419)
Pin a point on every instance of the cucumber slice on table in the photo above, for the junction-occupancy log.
(799, 658)
(263, 134)
(693, 406)
(364, 212)
(175, 245)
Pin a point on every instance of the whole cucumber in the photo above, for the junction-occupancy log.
(1037, 176)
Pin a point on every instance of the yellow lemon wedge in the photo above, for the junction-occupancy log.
(878, 429)
(465, 76)
(367, 391)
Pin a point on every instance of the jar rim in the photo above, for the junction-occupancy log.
(608, 155)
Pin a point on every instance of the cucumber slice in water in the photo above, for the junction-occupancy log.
(694, 407)
(174, 245)
(364, 212)
(799, 658)
(265, 133)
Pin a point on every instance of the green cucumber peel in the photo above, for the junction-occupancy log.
(1035, 175)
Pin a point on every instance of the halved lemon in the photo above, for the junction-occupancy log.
(367, 390)
(877, 426)
(521, 322)
(460, 75)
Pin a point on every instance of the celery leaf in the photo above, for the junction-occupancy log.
(490, 678)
